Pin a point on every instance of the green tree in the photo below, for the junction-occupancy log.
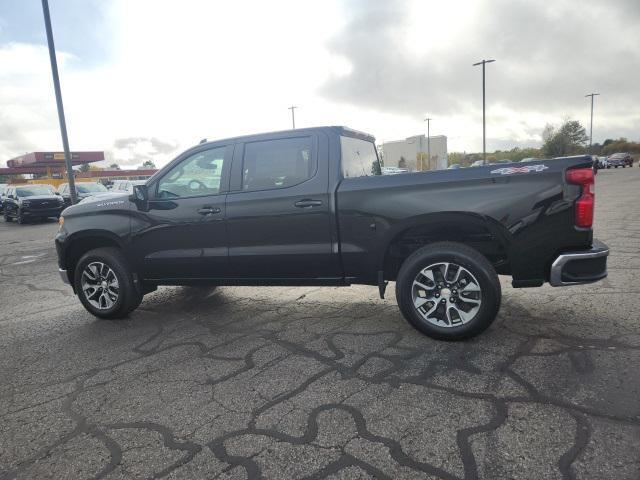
(456, 157)
(148, 164)
(114, 166)
(84, 167)
(621, 145)
(569, 139)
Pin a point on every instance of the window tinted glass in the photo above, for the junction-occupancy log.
(132, 184)
(199, 174)
(359, 158)
(34, 190)
(90, 187)
(277, 163)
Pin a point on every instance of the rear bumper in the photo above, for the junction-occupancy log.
(580, 266)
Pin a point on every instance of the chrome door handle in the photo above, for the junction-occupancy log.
(208, 210)
(306, 203)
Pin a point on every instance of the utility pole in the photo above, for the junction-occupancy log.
(293, 115)
(591, 129)
(428, 120)
(56, 87)
(484, 123)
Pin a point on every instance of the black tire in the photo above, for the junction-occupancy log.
(135, 302)
(129, 297)
(19, 218)
(464, 256)
(7, 218)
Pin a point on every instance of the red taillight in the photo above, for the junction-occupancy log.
(585, 204)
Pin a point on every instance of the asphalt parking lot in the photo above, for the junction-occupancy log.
(321, 382)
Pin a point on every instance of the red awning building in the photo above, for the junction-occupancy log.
(39, 163)
(52, 165)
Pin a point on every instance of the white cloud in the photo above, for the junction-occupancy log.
(179, 72)
(411, 57)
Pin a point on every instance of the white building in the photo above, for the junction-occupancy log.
(411, 153)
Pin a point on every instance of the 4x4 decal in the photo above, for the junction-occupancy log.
(525, 169)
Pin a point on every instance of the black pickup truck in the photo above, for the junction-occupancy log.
(310, 207)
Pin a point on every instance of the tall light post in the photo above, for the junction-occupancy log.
(428, 120)
(56, 87)
(293, 115)
(591, 128)
(484, 123)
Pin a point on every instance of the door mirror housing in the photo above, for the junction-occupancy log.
(57, 193)
(141, 197)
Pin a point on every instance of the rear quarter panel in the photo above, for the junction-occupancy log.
(529, 215)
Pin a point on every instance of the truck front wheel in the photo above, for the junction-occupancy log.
(448, 291)
(104, 283)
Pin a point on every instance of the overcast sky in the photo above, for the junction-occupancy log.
(148, 78)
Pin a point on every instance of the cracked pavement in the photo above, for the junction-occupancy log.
(290, 383)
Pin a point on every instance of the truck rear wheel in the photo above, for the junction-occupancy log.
(104, 283)
(448, 291)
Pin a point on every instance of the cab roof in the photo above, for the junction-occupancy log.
(337, 130)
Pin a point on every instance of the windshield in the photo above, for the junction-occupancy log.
(90, 188)
(34, 190)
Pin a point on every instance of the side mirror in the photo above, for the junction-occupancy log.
(57, 193)
(11, 197)
(141, 197)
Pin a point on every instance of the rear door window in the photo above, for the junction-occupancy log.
(280, 163)
(359, 158)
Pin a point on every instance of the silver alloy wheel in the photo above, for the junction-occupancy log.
(446, 294)
(100, 285)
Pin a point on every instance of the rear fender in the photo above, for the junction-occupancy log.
(468, 228)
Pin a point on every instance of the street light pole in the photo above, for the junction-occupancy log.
(293, 115)
(428, 120)
(591, 128)
(484, 124)
(56, 87)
